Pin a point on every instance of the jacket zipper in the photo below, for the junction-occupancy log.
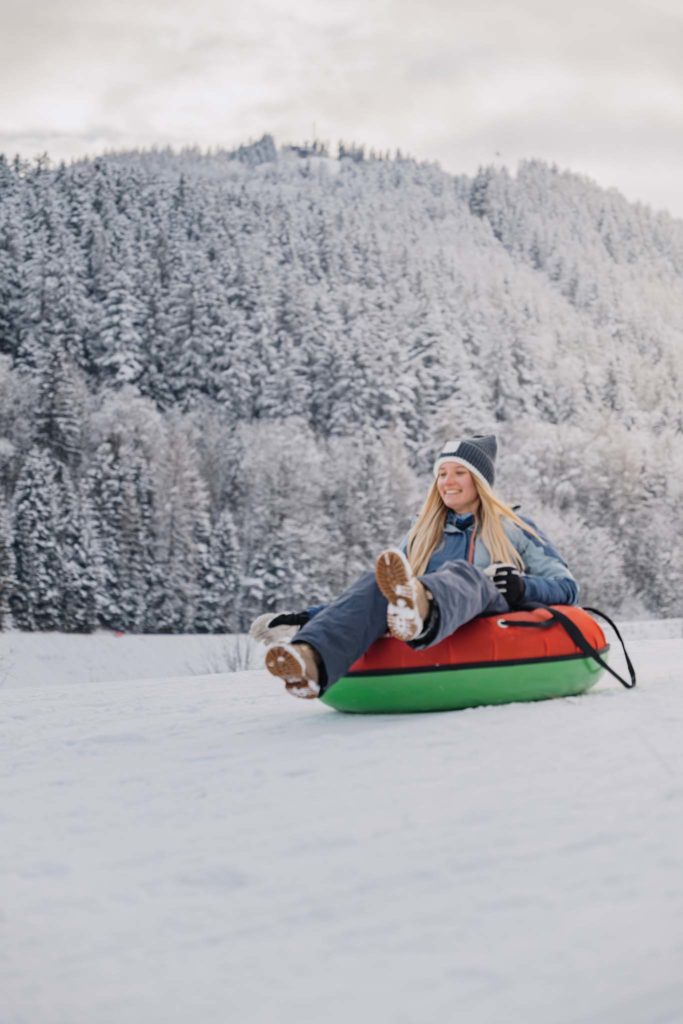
(470, 550)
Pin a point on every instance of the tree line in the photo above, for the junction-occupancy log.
(223, 376)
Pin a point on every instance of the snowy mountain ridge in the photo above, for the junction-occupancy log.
(180, 333)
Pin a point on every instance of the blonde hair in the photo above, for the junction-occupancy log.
(426, 534)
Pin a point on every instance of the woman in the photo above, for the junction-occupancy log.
(467, 553)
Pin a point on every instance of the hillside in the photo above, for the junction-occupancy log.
(182, 334)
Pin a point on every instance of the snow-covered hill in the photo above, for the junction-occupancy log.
(181, 332)
(207, 848)
(50, 659)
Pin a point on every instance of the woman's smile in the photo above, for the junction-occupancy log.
(456, 488)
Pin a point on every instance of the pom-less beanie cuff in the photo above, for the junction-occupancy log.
(478, 454)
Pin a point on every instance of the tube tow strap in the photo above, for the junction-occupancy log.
(573, 631)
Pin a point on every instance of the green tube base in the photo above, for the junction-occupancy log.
(453, 689)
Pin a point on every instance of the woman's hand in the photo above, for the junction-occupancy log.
(274, 627)
(509, 581)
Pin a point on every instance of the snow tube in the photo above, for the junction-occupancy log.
(486, 661)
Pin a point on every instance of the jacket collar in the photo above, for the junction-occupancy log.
(456, 523)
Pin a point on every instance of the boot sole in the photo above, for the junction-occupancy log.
(392, 572)
(286, 665)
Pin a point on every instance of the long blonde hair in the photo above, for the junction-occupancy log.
(426, 534)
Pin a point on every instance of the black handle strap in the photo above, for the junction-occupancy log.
(629, 663)
(575, 634)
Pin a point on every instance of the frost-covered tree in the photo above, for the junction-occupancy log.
(80, 555)
(36, 600)
(285, 529)
(118, 348)
(61, 412)
(7, 564)
(593, 554)
(182, 529)
(121, 495)
(219, 580)
(11, 259)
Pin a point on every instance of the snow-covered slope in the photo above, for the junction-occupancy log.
(27, 659)
(210, 849)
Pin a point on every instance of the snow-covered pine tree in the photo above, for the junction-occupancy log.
(80, 557)
(62, 400)
(220, 580)
(284, 551)
(323, 364)
(7, 565)
(119, 357)
(233, 368)
(189, 342)
(36, 600)
(181, 526)
(116, 496)
(11, 259)
(594, 556)
(154, 331)
(67, 313)
(220, 453)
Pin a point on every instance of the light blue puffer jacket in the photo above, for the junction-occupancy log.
(547, 577)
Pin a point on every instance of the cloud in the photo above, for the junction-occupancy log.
(585, 86)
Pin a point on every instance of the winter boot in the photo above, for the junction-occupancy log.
(297, 665)
(408, 601)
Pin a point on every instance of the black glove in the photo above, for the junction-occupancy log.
(510, 583)
(289, 619)
(271, 628)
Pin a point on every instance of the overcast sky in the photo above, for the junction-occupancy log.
(594, 87)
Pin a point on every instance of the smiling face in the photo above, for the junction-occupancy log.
(456, 488)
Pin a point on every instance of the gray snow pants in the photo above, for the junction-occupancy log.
(345, 628)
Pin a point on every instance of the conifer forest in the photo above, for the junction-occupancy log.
(224, 376)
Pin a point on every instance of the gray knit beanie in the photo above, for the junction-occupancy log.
(478, 454)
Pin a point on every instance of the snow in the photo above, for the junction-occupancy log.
(45, 659)
(207, 848)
